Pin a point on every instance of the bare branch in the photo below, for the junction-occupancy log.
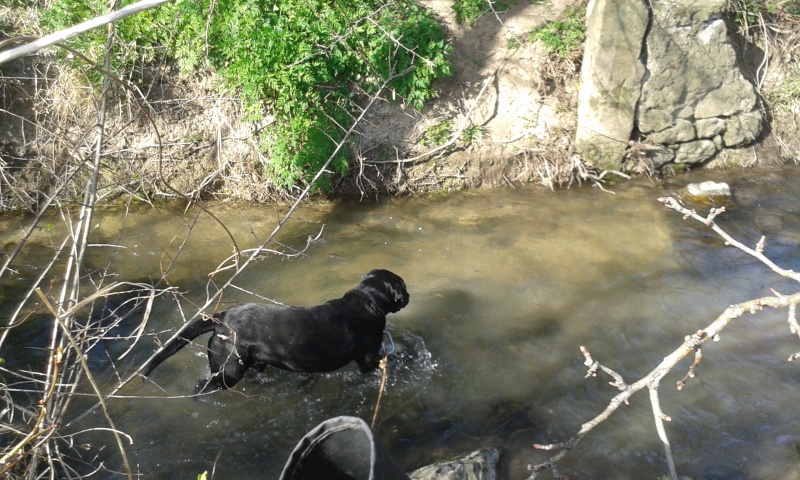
(48, 40)
(692, 343)
(660, 418)
(698, 356)
(66, 331)
(670, 202)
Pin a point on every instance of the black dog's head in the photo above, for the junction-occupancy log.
(388, 289)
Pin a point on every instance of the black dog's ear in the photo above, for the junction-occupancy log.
(372, 273)
(401, 295)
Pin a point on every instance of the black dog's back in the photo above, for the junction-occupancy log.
(320, 338)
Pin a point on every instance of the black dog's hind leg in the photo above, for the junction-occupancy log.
(222, 376)
(227, 366)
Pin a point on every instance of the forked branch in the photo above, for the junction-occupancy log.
(691, 345)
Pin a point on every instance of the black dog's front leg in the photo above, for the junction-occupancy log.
(369, 362)
(206, 385)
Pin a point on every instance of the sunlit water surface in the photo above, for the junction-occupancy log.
(505, 286)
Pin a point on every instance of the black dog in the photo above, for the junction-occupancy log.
(322, 338)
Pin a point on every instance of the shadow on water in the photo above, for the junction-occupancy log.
(505, 286)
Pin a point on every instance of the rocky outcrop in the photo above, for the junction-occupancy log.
(692, 100)
(611, 78)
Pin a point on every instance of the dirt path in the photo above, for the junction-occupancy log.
(520, 107)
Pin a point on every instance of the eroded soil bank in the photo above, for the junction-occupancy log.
(506, 116)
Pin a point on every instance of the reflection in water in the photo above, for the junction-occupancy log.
(505, 285)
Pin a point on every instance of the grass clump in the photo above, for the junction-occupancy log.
(774, 23)
(563, 37)
(751, 14)
(468, 11)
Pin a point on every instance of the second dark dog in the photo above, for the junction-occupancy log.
(321, 338)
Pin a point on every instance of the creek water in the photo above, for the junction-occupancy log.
(505, 285)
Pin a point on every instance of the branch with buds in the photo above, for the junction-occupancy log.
(692, 345)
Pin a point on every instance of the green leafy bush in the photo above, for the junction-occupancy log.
(439, 133)
(297, 59)
(138, 40)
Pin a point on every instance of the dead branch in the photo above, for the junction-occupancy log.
(756, 252)
(262, 252)
(66, 331)
(215, 296)
(692, 344)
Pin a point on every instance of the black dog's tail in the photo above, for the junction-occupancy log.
(194, 330)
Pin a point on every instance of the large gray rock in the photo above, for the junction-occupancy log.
(742, 129)
(611, 79)
(693, 98)
(693, 76)
(681, 131)
(710, 127)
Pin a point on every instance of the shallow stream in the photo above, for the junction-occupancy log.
(505, 286)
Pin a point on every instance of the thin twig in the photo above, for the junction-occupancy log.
(691, 344)
(89, 377)
(670, 202)
(660, 418)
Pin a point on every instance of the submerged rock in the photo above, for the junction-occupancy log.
(707, 191)
(479, 465)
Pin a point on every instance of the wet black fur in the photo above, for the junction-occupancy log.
(321, 338)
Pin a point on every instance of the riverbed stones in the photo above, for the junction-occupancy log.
(708, 191)
(696, 151)
(692, 98)
(478, 465)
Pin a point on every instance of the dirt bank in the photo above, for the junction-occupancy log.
(507, 115)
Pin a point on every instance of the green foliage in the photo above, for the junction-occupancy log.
(438, 134)
(297, 59)
(421, 34)
(471, 10)
(563, 37)
(138, 40)
(786, 94)
(745, 12)
(299, 151)
(474, 134)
